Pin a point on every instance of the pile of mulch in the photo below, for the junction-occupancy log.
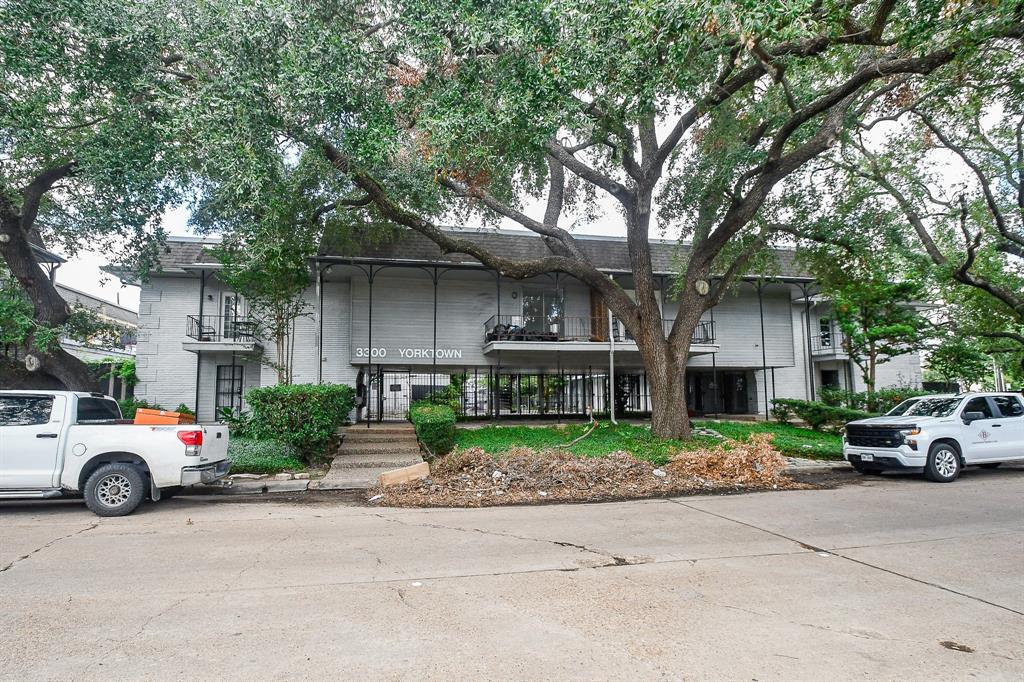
(472, 478)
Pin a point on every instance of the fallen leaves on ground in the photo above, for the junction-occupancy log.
(472, 478)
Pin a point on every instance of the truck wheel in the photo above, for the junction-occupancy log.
(943, 463)
(114, 490)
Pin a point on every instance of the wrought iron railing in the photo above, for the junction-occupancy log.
(217, 328)
(526, 328)
(828, 343)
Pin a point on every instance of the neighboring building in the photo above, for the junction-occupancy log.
(398, 319)
(123, 317)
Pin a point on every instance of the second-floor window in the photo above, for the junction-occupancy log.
(543, 309)
(825, 325)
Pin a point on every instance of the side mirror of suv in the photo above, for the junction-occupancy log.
(969, 417)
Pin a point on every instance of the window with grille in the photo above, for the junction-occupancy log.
(229, 387)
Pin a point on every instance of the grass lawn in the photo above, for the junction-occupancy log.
(790, 440)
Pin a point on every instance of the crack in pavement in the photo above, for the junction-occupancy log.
(51, 543)
(613, 560)
(836, 553)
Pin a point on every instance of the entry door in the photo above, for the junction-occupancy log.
(734, 392)
(232, 312)
(1011, 423)
(391, 398)
(29, 440)
(983, 439)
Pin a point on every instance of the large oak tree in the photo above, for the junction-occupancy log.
(84, 148)
(684, 115)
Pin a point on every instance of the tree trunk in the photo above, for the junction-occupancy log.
(669, 415)
(49, 307)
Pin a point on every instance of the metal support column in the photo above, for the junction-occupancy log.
(807, 322)
(764, 353)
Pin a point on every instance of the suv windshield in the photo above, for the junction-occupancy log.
(933, 407)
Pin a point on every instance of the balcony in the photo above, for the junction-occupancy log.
(219, 333)
(828, 345)
(518, 332)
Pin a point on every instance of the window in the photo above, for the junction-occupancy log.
(97, 410)
(825, 328)
(933, 407)
(229, 388)
(978, 405)
(1009, 405)
(542, 309)
(233, 315)
(25, 410)
(830, 378)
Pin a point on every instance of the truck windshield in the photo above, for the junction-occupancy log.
(933, 407)
(97, 410)
(902, 408)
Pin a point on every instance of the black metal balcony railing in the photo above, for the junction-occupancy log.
(217, 328)
(828, 343)
(525, 328)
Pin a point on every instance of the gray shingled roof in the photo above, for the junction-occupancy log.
(607, 253)
(182, 252)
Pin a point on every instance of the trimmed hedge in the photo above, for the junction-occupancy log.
(818, 416)
(882, 400)
(435, 426)
(305, 416)
(262, 456)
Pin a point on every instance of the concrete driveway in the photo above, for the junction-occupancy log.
(890, 578)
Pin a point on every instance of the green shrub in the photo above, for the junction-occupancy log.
(783, 413)
(303, 415)
(819, 416)
(262, 456)
(239, 423)
(130, 405)
(182, 408)
(435, 426)
(450, 395)
(882, 400)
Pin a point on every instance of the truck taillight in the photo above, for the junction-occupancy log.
(191, 437)
(193, 441)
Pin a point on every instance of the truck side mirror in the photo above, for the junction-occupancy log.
(969, 417)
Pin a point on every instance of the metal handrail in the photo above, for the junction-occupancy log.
(828, 342)
(527, 328)
(217, 328)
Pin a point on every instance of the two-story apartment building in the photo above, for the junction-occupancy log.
(400, 318)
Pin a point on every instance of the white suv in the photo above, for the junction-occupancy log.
(940, 435)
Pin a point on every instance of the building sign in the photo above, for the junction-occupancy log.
(363, 352)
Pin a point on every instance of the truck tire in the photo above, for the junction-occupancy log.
(943, 463)
(114, 490)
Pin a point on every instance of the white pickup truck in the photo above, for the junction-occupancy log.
(65, 443)
(940, 435)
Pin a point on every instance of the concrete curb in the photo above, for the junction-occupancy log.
(246, 487)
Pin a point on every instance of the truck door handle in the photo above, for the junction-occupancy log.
(46, 435)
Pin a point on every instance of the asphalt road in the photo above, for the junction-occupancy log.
(891, 578)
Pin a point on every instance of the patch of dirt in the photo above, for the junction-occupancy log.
(472, 478)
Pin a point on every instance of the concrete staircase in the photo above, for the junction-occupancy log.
(366, 453)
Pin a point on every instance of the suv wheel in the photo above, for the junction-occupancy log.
(114, 490)
(943, 463)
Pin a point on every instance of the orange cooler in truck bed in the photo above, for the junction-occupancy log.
(145, 415)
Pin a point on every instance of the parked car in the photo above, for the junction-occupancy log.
(940, 435)
(65, 443)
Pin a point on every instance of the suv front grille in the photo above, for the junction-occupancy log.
(871, 437)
